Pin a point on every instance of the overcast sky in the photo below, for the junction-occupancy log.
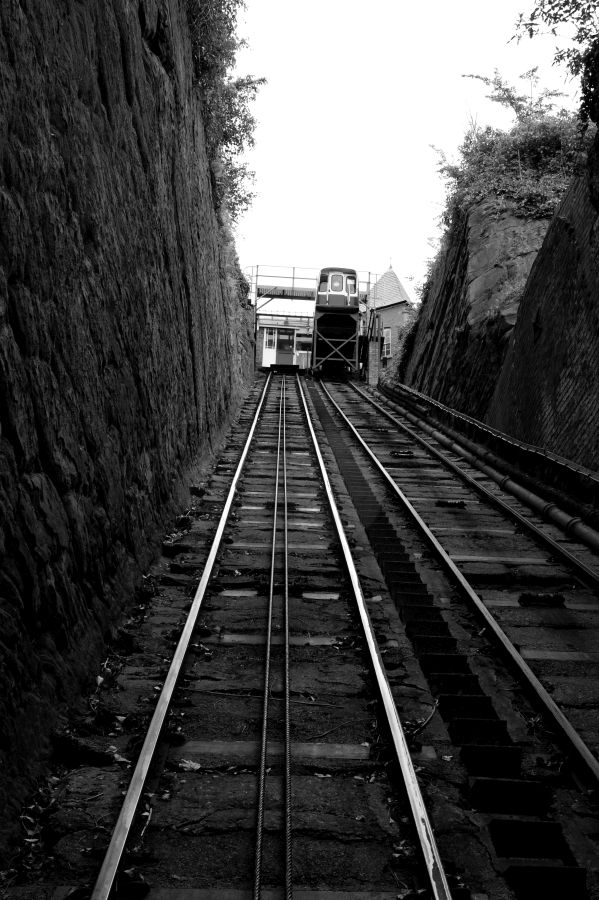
(357, 92)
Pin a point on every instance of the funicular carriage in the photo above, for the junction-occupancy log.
(327, 342)
(335, 342)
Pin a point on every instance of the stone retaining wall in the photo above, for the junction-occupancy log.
(471, 305)
(549, 386)
(123, 347)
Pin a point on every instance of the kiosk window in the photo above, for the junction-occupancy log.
(386, 342)
(285, 340)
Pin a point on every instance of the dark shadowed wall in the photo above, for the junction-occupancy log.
(548, 392)
(123, 346)
(471, 304)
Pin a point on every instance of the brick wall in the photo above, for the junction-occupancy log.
(398, 318)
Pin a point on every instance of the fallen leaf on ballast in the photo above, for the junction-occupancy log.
(188, 765)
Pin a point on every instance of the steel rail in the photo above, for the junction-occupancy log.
(288, 819)
(112, 858)
(281, 456)
(434, 866)
(267, 658)
(418, 396)
(559, 720)
(568, 524)
(582, 569)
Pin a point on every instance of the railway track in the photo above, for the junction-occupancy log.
(275, 759)
(335, 718)
(533, 590)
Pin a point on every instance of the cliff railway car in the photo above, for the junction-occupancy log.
(336, 324)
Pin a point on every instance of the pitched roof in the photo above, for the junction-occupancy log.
(387, 291)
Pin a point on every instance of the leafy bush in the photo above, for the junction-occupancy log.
(228, 121)
(531, 164)
(213, 26)
(582, 59)
(229, 131)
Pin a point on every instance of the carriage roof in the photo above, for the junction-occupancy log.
(341, 269)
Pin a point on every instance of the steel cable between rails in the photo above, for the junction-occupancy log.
(288, 820)
(281, 454)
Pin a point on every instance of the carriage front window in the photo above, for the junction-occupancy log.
(336, 282)
(269, 339)
(351, 284)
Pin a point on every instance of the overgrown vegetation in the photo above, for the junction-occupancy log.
(406, 350)
(581, 59)
(530, 165)
(228, 120)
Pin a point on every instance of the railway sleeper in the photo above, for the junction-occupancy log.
(531, 879)
(510, 795)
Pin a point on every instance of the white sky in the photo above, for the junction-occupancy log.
(357, 92)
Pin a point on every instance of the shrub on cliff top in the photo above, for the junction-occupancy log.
(531, 164)
(228, 121)
(213, 26)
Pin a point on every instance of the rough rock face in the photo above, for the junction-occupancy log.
(471, 306)
(549, 384)
(122, 346)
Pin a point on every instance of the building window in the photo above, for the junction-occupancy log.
(269, 338)
(386, 342)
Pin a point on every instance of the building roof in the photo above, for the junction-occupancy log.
(387, 291)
